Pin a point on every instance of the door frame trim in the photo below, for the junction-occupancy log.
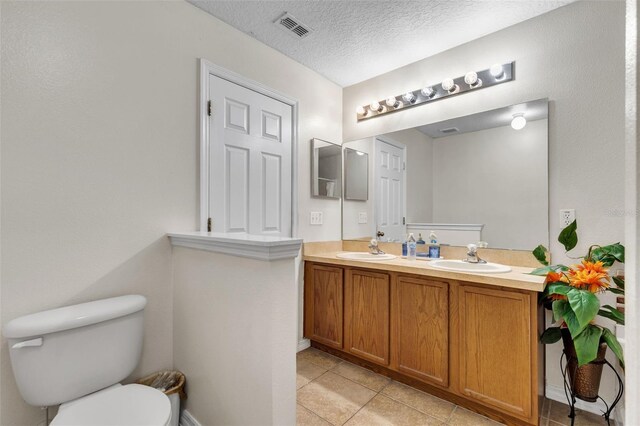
(403, 147)
(209, 68)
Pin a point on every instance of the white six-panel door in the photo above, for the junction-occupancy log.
(389, 172)
(250, 161)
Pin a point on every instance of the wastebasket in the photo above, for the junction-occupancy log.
(172, 384)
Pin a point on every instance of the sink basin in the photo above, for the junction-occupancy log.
(364, 256)
(478, 268)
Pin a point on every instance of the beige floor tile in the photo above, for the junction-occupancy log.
(462, 417)
(385, 411)
(559, 414)
(307, 371)
(334, 398)
(319, 358)
(421, 401)
(305, 417)
(361, 375)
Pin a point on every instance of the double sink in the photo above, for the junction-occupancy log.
(443, 264)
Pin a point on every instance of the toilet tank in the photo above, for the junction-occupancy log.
(63, 354)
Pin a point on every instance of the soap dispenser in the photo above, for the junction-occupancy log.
(434, 247)
(411, 247)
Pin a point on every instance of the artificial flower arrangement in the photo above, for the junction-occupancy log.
(572, 292)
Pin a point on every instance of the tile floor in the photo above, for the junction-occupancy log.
(336, 392)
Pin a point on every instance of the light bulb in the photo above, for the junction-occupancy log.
(496, 70)
(361, 111)
(428, 92)
(449, 85)
(382, 109)
(391, 101)
(471, 78)
(399, 105)
(518, 121)
(375, 106)
(409, 97)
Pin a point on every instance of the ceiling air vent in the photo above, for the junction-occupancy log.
(450, 130)
(291, 25)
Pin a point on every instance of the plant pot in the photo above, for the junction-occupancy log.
(585, 379)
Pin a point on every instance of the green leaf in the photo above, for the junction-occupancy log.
(619, 281)
(540, 253)
(608, 254)
(584, 304)
(616, 290)
(587, 343)
(612, 342)
(544, 270)
(572, 322)
(551, 335)
(558, 308)
(612, 313)
(568, 236)
(558, 288)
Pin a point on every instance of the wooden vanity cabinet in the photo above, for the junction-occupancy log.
(366, 322)
(323, 307)
(497, 348)
(420, 328)
(473, 344)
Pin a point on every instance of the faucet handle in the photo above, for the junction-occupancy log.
(472, 248)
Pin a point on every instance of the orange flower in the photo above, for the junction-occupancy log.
(589, 276)
(557, 297)
(554, 277)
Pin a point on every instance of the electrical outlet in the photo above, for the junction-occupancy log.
(567, 216)
(315, 218)
(362, 217)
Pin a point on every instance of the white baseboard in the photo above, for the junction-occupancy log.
(303, 344)
(186, 419)
(556, 393)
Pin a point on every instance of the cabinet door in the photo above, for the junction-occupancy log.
(420, 327)
(323, 304)
(367, 315)
(496, 348)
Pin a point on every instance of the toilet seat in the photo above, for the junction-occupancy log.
(129, 405)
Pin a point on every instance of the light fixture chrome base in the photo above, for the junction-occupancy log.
(485, 79)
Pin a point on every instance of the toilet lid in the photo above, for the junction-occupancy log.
(129, 405)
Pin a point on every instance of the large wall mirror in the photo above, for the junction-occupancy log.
(478, 178)
(326, 169)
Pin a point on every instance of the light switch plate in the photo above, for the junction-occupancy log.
(362, 217)
(315, 218)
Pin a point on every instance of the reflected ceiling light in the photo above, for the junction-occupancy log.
(428, 92)
(497, 70)
(471, 78)
(449, 85)
(518, 121)
(409, 97)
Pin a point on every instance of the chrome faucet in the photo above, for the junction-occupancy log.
(373, 247)
(472, 255)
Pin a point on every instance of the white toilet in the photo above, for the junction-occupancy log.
(77, 355)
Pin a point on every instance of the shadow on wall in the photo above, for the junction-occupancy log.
(148, 273)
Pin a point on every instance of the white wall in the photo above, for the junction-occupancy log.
(236, 348)
(99, 154)
(497, 177)
(573, 55)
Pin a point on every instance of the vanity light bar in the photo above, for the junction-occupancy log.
(471, 81)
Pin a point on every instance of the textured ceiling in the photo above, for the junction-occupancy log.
(354, 40)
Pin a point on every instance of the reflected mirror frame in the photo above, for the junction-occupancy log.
(339, 184)
(346, 178)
